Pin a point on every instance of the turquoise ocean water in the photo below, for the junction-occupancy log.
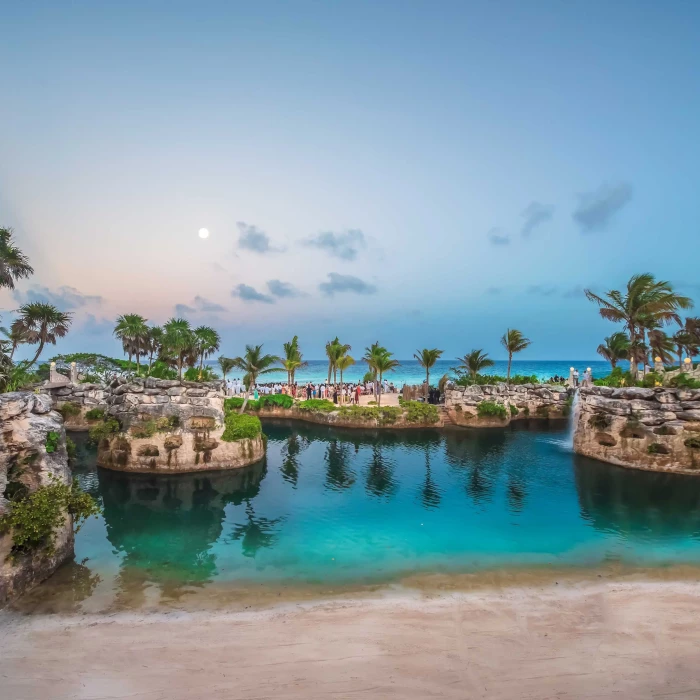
(348, 507)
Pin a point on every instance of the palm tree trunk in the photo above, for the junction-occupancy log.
(427, 382)
(379, 395)
(14, 347)
(510, 360)
(138, 359)
(150, 362)
(38, 352)
(179, 367)
(342, 397)
(251, 382)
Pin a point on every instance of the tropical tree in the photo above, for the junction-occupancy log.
(39, 323)
(226, 364)
(615, 348)
(427, 358)
(474, 362)
(14, 264)
(293, 359)
(344, 363)
(380, 361)
(643, 301)
(661, 346)
(179, 340)
(334, 351)
(372, 355)
(14, 338)
(253, 363)
(206, 343)
(154, 343)
(688, 339)
(513, 341)
(132, 330)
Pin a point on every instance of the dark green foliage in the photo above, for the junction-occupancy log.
(155, 425)
(384, 415)
(683, 381)
(95, 414)
(419, 412)
(68, 409)
(207, 375)
(234, 402)
(105, 429)
(513, 410)
(542, 411)
(70, 448)
(657, 448)
(241, 426)
(490, 409)
(526, 411)
(275, 401)
(52, 440)
(320, 405)
(616, 378)
(34, 518)
(693, 443)
(483, 379)
(160, 370)
(650, 380)
(599, 421)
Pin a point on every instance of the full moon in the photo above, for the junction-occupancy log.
(204, 233)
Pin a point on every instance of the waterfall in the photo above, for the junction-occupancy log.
(573, 418)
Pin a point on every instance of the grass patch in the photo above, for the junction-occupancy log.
(491, 409)
(514, 410)
(240, 427)
(68, 409)
(95, 414)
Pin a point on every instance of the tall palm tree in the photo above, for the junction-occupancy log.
(615, 348)
(513, 341)
(14, 264)
(474, 362)
(154, 343)
(688, 339)
(41, 323)
(661, 346)
(132, 330)
(207, 342)
(344, 363)
(226, 364)
(644, 299)
(372, 355)
(292, 359)
(178, 340)
(334, 351)
(427, 358)
(383, 363)
(14, 339)
(253, 363)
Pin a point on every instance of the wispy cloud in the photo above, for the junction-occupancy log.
(497, 237)
(283, 290)
(250, 294)
(199, 305)
(345, 245)
(65, 298)
(338, 284)
(596, 209)
(97, 326)
(541, 291)
(252, 238)
(535, 214)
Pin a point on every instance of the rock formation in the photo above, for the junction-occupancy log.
(655, 429)
(75, 400)
(26, 423)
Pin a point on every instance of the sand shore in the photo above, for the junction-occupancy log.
(573, 640)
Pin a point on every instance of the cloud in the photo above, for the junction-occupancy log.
(344, 245)
(199, 305)
(250, 294)
(338, 284)
(539, 290)
(65, 298)
(496, 237)
(596, 209)
(574, 293)
(493, 290)
(94, 326)
(283, 290)
(535, 215)
(252, 238)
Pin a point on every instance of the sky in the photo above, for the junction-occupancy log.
(423, 174)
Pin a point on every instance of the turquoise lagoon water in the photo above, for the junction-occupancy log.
(334, 507)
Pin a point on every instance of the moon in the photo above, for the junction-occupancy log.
(204, 233)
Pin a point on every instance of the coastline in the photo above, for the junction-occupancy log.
(563, 639)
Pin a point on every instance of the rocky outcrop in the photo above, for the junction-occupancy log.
(171, 426)
(75, 400)
(656, 429)
(27, 425)
(519, 402)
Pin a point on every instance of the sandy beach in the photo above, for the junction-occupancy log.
(570, 640)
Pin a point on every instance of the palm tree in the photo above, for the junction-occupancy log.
(372, 355)
(154, 343)
(132, 330)
(41, 323)
(293, 359)
(427, 358)
(179, 340)
(226, 364)
(382, 363)
(334, 351)
(688, 339)
(14, 264)
(14, 339)
(661, 346)
(344, 363)
(644, 300)
(616, 347)
(253, 364)
(207, 342)
(474, 362)
(513, 341)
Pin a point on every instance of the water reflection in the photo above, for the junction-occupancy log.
(380, 480)
(339, 475)
(430, 493)
(256, 532)
(290, 463)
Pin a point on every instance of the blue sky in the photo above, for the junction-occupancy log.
(424, 174)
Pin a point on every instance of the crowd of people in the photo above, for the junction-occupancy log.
(338, 393)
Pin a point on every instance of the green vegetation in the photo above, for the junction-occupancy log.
(419, 412)
(657, 448)
(149, 428)
(95, 414)
(34, 517)
(513, 410)
(292, 359)
(241, 426)
(693, 443)
(490, 409)
(514, 341)
(334, 351)
(473, 362)
(384, 415)
(52, 440)
(484, 379)
(427, 358)
(206, 343)
(41, 324)
(616, 378)
(253, 364)
(317, 406)
(132, 330)
(71, 448)
(226, 365)
(69, 409)
(380, 361)
(615, 348)
(270, 401)
(683, 381)
(106, 429)
(205, 374)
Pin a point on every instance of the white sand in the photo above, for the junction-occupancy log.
(631, 640)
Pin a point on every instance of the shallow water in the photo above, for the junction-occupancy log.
(334, 507)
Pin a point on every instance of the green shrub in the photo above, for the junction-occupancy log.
(683, 381)
(34, 518)
(419, 412)
(650, 380)
(68, 409)
(513, 410)
(491, 409)
(317, 405)
(241, 426)
(276, 401)
(95, 414)
(526, 411)
(160, 370)
(104, 430)
(483, 379)
(657, 448)
(693, 443)
(233, 403)
(152, 426)
(192, 374)
(70, 448)
(52, 440)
